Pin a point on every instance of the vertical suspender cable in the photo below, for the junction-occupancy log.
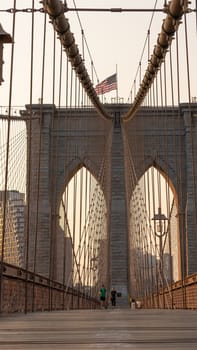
(65, 199)
(51, 261)
(196, 16)
(57, 276)
(181, 217)
(165, 147)
(86, 205)
(39, 158)
(176, 166)
(155, 241)
(150, 238)
(80, 214)
(169, 203)
(155, 188)
(74, 197)
(55, 213)
(30, 152)
(191, 129)
(66, 273)
(7, 159)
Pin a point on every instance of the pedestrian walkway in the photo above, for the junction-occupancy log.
(100, 329)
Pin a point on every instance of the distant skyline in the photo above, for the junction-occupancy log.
(114, 39)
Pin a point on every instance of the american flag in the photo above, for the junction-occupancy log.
(107, 85)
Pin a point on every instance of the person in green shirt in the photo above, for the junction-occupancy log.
(103, 293)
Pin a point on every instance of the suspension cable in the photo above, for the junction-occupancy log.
(55, 10)
(143, 50)
(85, 40)
(191, 126)
(39, 162)
(170, 25)
(29, 170)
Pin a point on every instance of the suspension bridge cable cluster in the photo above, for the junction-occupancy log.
(55, 9)
(175, 10)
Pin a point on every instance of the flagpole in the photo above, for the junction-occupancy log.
(117, 83)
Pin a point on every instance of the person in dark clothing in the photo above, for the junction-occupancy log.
(103, 293)
(113, 297)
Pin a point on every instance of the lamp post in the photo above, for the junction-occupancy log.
(160, 230)
(5, 38)
(94, 267)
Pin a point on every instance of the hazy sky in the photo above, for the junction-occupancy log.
(113, 39)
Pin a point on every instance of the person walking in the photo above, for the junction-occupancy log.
(113, 297)
(103, 293)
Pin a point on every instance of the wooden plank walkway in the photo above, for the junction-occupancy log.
(100, 329)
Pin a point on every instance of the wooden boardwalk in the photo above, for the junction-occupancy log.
(100, 329)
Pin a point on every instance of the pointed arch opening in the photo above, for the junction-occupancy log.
(153, 234)
(83, 222)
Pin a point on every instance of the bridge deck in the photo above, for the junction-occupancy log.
(100, 329)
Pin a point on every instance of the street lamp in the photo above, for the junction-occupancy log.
(160, 230)
(93, 263)
(5, 38)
